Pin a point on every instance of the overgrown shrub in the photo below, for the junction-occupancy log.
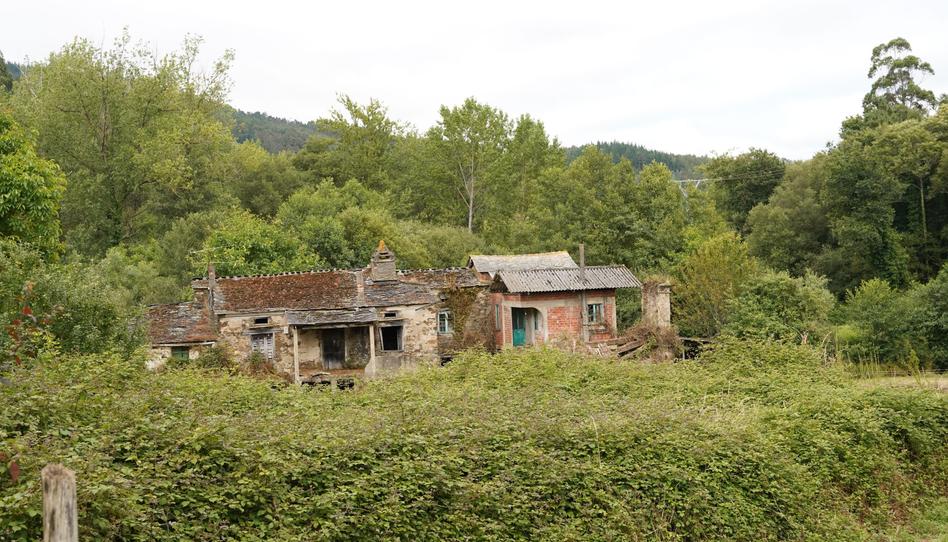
(750, 442)
(80, 308)
(774, 305)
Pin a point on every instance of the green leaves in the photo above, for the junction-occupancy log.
(30, 190)
(753, 441)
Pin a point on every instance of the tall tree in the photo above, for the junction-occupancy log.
(895, 94)
(136, 134)
(469, 142)
(896, 69)
(30, 190)
(743, 181)
(354, 142)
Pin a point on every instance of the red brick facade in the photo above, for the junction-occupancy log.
(560, 316)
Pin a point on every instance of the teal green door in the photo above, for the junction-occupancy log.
(519, 327)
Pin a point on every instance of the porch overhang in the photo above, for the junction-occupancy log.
(332, 318)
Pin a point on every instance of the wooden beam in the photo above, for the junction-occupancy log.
(372, 349)
(60, 521)
(296, 355)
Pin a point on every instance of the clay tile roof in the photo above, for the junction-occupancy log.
(308, 290)
(604, 277)
(180, 323)
(332, 290)
(491, 264)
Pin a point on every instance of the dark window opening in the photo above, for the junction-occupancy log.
(391, 338)
(180, 352)
(391, 314)
(263, 320)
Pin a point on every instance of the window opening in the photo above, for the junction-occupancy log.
(180, 352)
(262, 343)
(391, 338)
(444, 322)
(594, 313)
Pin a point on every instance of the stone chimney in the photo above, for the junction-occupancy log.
(656, 304)
(382, 266)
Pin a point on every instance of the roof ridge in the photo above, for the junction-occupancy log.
(411, 270)
(571, 269)
(285, 273)
(519, 255)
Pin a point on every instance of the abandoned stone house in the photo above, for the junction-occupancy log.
(325, 325)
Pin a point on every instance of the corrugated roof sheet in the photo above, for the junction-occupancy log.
(180, 323)
(491, 264)
(601, 277)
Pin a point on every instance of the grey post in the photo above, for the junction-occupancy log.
(60, 522)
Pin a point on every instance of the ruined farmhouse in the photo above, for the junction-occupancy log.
(320, 325)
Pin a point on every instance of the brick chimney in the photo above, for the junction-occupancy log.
(382, 266)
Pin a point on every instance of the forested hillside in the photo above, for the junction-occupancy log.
(273, 133)
(124, 163)
(683, 166)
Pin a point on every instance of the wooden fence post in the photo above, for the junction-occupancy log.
(60, 522)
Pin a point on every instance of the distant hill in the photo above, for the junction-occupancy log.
(273, 133)
(682, 165)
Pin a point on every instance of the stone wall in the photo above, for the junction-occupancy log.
(236, 330)
(158, 356)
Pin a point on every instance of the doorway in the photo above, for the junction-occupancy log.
(334, 348)
(519, 317)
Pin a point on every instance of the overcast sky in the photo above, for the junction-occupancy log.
(688, 77)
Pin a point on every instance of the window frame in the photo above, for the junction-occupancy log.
(177, 351)
(444, 322)
(498, 320)
(268, 347)
(399, 340)
(595, 313)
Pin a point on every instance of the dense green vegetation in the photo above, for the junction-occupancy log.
(751, 442)
(156, 181)
(123, 173)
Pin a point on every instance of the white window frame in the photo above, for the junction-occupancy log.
(444, 322)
